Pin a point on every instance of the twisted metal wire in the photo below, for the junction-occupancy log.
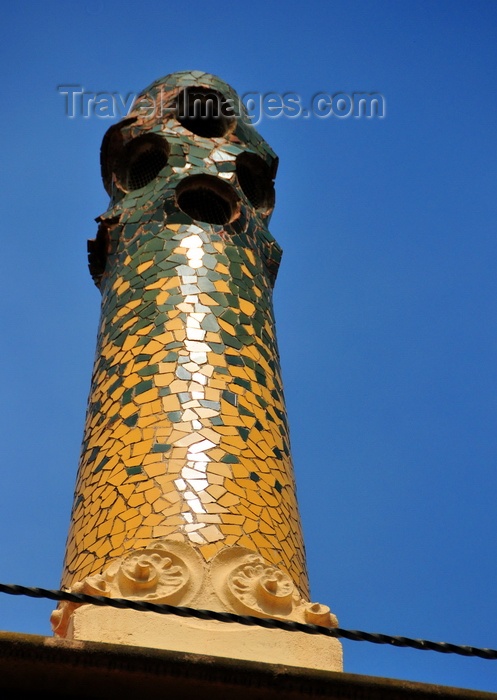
(270, 623)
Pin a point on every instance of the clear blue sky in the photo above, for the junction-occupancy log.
(386, 300)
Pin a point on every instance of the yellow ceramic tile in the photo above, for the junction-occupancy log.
(147, 423)
(247, 272)
(233, 441)
(266, 529)
(178, 452)
(117, 540)
(145, 330)
(136, 500)
(206, 300)
(272, 516)
(223, 470)
(155, 285)
(167, 531)
(130, 381)
(227, 409)
(245, 541)
(209, 518)
(141, 448)
(109, 500)
(117, 529)
(174, 324)
(131, 436)
(251, 513)
(152, 520)
(260, 541)
(151, 347)
(222, 269)
(146, 397)
(154, 469)
(144, 266)
(212, 533)
(250, 526)
(178, 386)
(152, 408)
(131, 518)
(232, 529)
(89, 540)
(214, 479)
(208, 551)
(123, 429)
(104, 529)
(227, 500)
(250, 255)
(122, 287)
(130, 342)
(226, 326)
(222, 286)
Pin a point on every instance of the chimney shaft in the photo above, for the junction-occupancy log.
(185, 491)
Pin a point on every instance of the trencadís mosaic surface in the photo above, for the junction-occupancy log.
(186, 434)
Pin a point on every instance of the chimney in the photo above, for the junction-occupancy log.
(185, 492)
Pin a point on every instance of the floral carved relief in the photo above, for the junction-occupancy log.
(249, 585)
(164, 572)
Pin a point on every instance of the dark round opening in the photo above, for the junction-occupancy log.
(142, 160)
(206, 198)
(255, 180)
(204, 112)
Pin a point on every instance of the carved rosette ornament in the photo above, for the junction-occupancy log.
(249, 585)
(164, 572)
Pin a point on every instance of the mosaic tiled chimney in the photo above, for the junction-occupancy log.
(185, 492)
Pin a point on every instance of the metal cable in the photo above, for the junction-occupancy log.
(289, 626)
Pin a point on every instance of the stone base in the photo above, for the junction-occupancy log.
(236, 580)
(212, 638)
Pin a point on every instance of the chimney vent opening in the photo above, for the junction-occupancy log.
(206, 198)
(254, 177)
(204, 112)
(142, 160)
